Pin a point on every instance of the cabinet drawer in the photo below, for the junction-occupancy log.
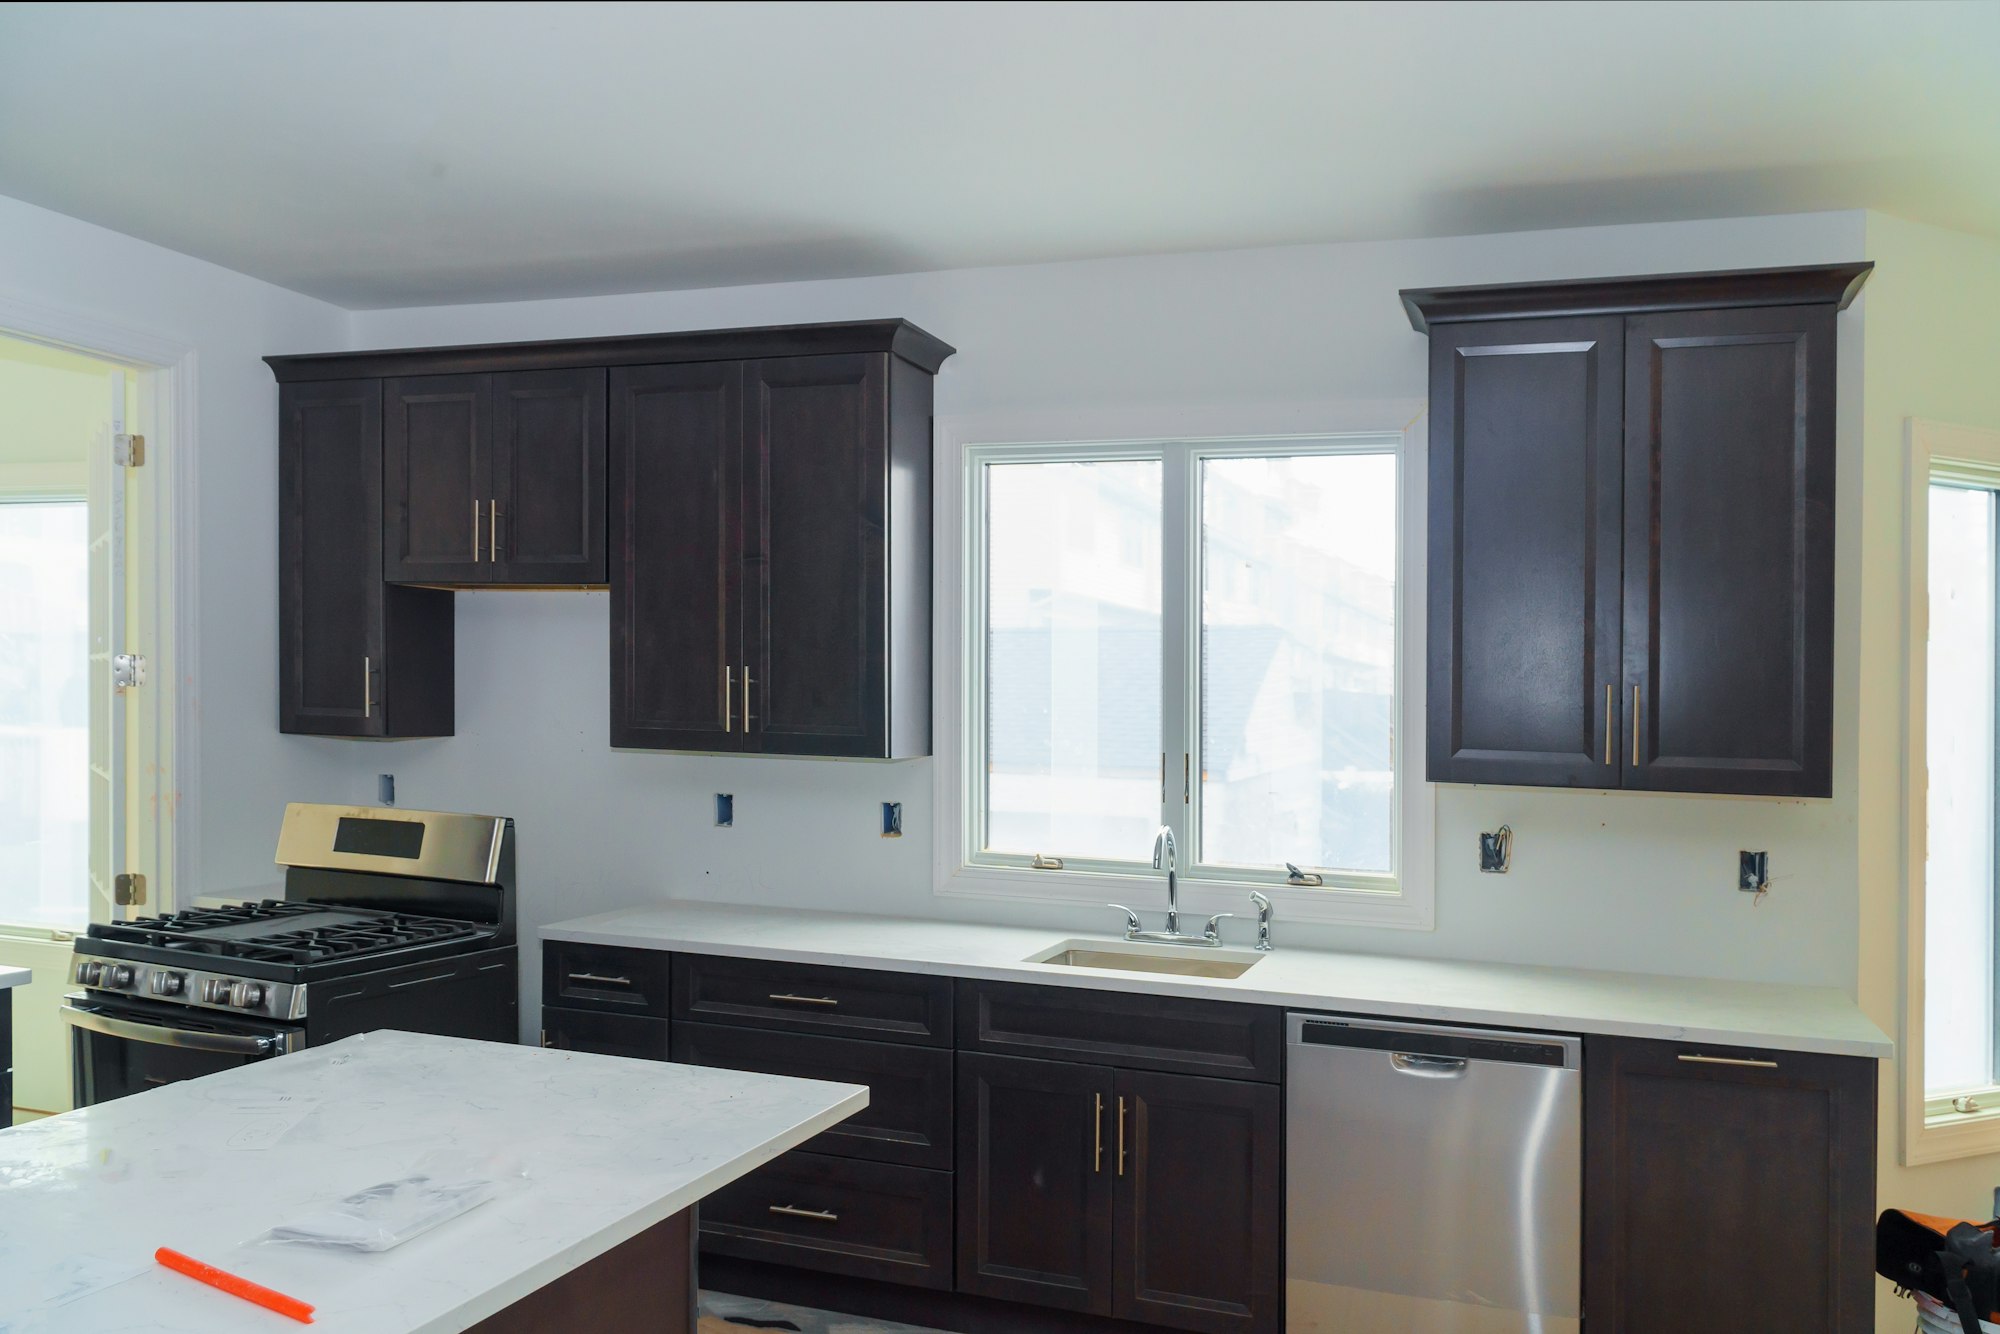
(813, 998)
(908, 1117)
(1124, 1029)
(865, 1220)
(633, 1035)
(602, 977)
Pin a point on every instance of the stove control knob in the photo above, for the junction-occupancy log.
(247, 995)
(168, 984)
(215, 991)
(121, 975)
(89, 973)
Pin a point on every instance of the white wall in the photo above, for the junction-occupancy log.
(55, 267)
(1600, 880)
(1932, 350)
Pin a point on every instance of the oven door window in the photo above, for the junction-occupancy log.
(117, 1050)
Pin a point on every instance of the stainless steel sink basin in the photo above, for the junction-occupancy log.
(1171, 960)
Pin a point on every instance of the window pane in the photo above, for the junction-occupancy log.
(44, 778)
(1298, 654)
(1073, 658)
(1958, 878)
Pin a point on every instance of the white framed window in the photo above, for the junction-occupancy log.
(1211, 634)
(1951, 1070)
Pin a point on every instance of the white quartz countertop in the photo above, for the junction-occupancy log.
(1735, 1014)
(593, 1150)
(15, 977)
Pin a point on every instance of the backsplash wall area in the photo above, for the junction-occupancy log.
(1309, 335)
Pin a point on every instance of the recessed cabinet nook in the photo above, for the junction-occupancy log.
(758, 501)
(1631, 531)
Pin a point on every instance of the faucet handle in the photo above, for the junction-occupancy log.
(1131, 919)
(1213, 931)
(1263, 903)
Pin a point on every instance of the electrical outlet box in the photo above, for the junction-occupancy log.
(892, 819)
(1753, 872)
(385, 789)
(725, 810)
(1496, 850)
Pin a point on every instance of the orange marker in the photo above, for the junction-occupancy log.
(234, 1286)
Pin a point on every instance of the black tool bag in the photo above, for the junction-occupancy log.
(1950, 1259)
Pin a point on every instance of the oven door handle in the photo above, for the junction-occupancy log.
(189, 1039)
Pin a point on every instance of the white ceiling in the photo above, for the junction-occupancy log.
(415, 154)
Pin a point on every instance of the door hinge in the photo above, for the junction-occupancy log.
(128, 889)
(128, 451)
(128, 670)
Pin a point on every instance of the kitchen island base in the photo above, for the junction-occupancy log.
(646, 1283)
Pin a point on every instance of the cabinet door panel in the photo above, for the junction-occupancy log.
(1703, 1180)
(548, 482)
(436, 472)
(1035, 1182)
(1729, 551)
(330, 558)
(1200, 1201)
(1525, 494)
(815, 580)
(630, 1035)
(676, 568)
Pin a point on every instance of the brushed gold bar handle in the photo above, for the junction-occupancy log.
(1635, 727)
(746, 697)
(793, 1211)
(790, 999)
(493, 530)
(728, 698)
(475, 532)
(367, 686)
(1121, 1134)
(1097, 1136)
(1610, 721)
(1729, 1060)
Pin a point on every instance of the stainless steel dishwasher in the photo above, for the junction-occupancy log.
(1433, 1179)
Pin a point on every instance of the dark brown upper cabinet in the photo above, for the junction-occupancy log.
(1630, 546)
(758, 500)
(356, 656)
(494, 479)
(770, 539)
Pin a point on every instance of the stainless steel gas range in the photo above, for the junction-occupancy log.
(390, 919)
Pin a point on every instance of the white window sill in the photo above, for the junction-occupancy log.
(1147, 893)
(1941, 1138)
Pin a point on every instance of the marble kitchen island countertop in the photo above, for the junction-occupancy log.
(1642, 1005)
(594, 1151)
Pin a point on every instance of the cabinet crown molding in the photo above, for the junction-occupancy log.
(900, 337)
(1805, 285)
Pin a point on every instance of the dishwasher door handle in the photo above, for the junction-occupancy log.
(1427, 1067)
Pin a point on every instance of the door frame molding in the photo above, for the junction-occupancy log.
(166, 760)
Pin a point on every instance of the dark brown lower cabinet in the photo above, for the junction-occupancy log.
(1035, 1181)
(605, 1034)
(908, 1117)
(1144, 1196)
(866, 1220)
(1200, 1203)
(1727, 1190)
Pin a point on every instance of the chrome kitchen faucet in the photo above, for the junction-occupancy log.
(1211, 937)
